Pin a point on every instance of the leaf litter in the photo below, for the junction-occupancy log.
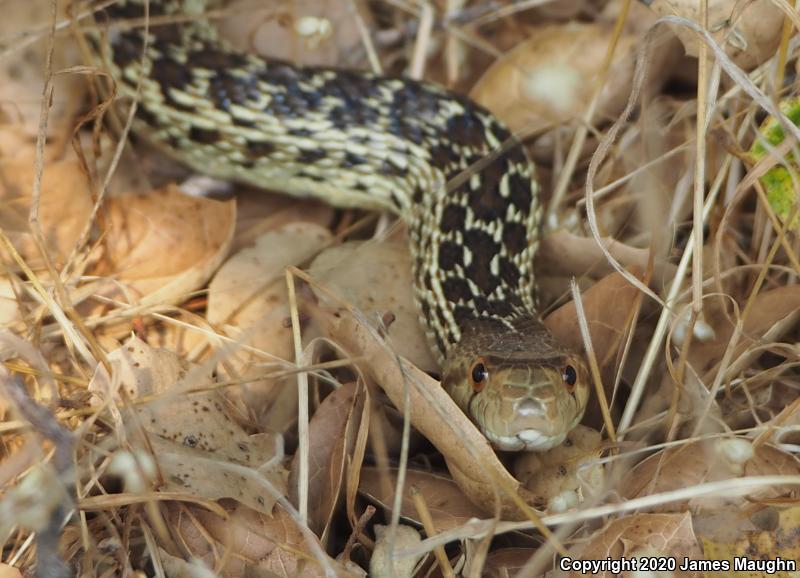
(159, 330)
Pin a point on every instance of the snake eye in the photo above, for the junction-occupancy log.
(479, 375)
(570, 376)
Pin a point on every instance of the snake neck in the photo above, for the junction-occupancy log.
(352, 139)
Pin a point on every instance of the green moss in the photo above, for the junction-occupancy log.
(777, 182)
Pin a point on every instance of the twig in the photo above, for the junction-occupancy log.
(48, 562)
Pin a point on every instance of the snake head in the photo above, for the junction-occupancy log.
(520, 401)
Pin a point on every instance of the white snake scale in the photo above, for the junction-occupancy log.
(355, 139)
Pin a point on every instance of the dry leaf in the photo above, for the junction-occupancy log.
(381, 564)
(375, 278)
(646, 535)
(199, 446)
(759, 547)
(164, 245)
(550, 78)
(608, 307)
(506, 562)
(706, 461)
(252, 281)
(749, 31)
(332, 431)
(307, 32)
(249, 542)
(175, 567)
(214, 475)
(64, 184)
(773, 312)
(567, 254)
(9, 307)
(259, 212)
(7, 571)
(445, 501)
(22, 69)
(247, 301)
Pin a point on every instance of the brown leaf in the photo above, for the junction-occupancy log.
(772, 313)
(248, 540)
(198, 444)
(759, 546)
(310, 32)
(250, 284)
(250, 480)
(445, 501)
(375, 278)
(749, 33)
(248, 302)
(644, 535)
(506, 562)
(551, 77)
(259, 212)
(706, 461)
(165, 244)
(64, 185)
(608, 306)
(331, 436)
(381, 564)
(7, 571)
(566, 254)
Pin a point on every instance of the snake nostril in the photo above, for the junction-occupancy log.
(530, 408)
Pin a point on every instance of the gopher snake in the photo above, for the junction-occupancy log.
(356, 139)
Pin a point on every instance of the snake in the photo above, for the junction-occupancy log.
(459, 179)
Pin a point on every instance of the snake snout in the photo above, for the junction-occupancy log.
(534, 413)
(531, 408)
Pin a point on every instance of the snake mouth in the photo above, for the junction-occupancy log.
(528, 439)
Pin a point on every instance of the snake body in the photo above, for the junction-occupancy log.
(356, 139)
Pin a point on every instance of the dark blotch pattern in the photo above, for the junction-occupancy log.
(216, 60)
(311, 177)
(483, 250)
(520, 193)
(203, 135)
(450, 255)
(170, 74)
(457, 289)
(389, 168)
(501, 308)
(310, 156)
(444, 156)
(128, 48)
(515, 238)
(147, 116)
(258, 149)
(300, 132)
(462, 314)
(351, 160)
(466, 129)
(453, 218)
(132, 10)
(508, 272)
(225, 89)
(486, 201)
